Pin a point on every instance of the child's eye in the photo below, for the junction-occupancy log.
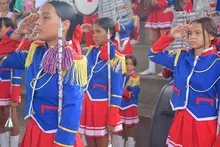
(46, 17)
(189, 33)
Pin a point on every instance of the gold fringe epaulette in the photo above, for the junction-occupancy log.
(78, 72)
(30, 55)
(118, 62)
(133, 81)
(87, 50)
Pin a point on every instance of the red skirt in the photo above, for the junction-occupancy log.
(129, 116)
(185, 131)
(157, 19)
(35, 137)
(94, 118)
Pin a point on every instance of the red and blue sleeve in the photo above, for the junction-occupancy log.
(158, 53)
(116, 97)
(15, 85)
(9, 57)
(71, 112)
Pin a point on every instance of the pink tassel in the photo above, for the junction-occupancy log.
(50, 60)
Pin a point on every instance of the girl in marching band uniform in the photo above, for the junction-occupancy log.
(129, 111)
(10, 81)
(40, 63)
(157, 23)
(122, 37)
(196, 83)
(100, 114)
(135, 33)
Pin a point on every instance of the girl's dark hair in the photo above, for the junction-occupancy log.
(133, 59)
(209, 25)
(7, 22)
(66, 12)
(107, 23)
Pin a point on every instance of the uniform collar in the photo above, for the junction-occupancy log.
(130, 74)
(208, 51)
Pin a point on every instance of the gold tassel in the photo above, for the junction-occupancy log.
(132, 82)
(79, 72)
(136, 21)
(177, 57)
(30, 55)
(177, 53)
(117, 62)
(87, 50)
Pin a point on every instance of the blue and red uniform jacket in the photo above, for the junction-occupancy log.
(42, 94)
(125, 30)
(10, 81)
(131, 90)
(97, 87)
(196, 79)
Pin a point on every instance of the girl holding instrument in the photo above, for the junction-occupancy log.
(40, 63)
(100, 115)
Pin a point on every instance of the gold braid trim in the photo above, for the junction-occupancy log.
(30, 55)
(177, 53)
(63, 145)
(133, 81)
(117, 63)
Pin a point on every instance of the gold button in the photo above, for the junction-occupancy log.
(33, 112)
(187, 86)
(198, 59)
(184, 102)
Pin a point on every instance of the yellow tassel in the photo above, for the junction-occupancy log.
(87, 50)
(177, 57)
(132, 82)
(136, 21)
(30, 55)
(79, 72)
(117, 62)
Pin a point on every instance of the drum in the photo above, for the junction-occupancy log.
(162, 118)
(87, 7)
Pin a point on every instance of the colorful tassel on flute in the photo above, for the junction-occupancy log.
(50, 60)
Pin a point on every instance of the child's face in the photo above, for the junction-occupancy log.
(47, 23)
(196, 38)
(3, 30)
(129, 66)
(3, 5)
(99, 35)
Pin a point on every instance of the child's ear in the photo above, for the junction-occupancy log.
(65, 24)
(211, 37)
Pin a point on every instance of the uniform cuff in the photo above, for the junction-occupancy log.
(162, 43)
(126, 94)
(65, 137)
(16, 94)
